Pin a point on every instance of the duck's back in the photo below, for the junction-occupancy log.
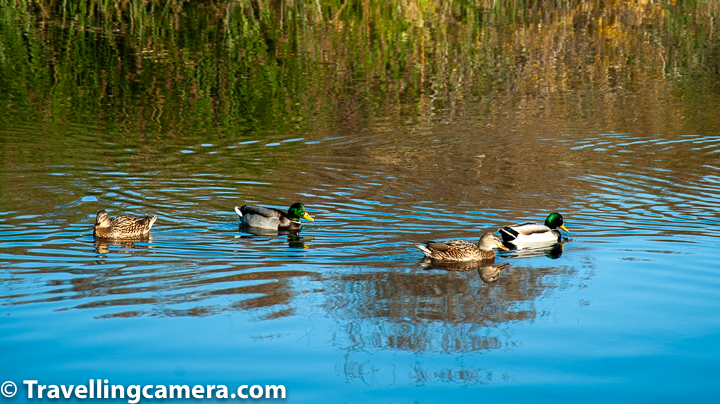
(266, 218)
(126, 227)
(261, 222)
(528, 233)
(454, 250)
(261, 211)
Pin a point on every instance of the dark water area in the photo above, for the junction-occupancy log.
(394, 124)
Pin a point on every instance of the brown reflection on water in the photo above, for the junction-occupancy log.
(161, 291)
(489, 111)
(487, 269)
(455, 310)
(103, 247)
(431, 311)
(550, 165)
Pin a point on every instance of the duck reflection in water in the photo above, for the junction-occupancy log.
(271, 222)
(293, 236)
(488, 272)
(552, 252)
(122, 231)
(103, 246)
(463, 256)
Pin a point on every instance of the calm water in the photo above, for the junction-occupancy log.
(346, 311)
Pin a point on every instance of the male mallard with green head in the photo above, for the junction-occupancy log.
(531, 234)
(122, 227)
(273, 219)
(462, 250)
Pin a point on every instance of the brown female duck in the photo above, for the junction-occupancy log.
(122, 227)
(462, 250)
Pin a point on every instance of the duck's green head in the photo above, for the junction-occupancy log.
(555, 220)
(297, 211)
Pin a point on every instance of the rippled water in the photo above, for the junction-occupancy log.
(347, 310)
(394, 123)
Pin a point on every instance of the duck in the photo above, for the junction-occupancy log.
(531, 234)
(122, 227)
(463, 250)
(273, 219)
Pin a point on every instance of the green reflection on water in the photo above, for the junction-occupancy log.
(301, 66)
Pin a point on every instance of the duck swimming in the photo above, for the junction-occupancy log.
(462, 250)
(531, 234)
(122, 227)
(273, 219)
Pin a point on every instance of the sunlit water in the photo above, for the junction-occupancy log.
(394, 123)
(347, 310)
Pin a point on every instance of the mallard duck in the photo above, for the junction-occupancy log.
(122, 227)
(462, 250)
(274, 219)
(531, 234)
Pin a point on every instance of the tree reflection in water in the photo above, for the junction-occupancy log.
(433, 311)
(447, 311)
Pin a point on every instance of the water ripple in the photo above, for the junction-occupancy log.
(373, 196)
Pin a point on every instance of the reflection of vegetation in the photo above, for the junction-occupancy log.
(150, 66)
(421, 375)
(161, 78)
(176, 292)
(431, 311)
(418, 374)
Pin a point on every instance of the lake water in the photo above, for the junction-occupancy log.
(625, 310)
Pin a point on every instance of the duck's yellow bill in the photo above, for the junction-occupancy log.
(308, 217)
(502, 247)
(562, 226)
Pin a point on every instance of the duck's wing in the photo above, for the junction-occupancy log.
(453, 250)
(531, 228)
(132, 224)
(450, 245)
(510, 233)
(259, 210)
(437, 246)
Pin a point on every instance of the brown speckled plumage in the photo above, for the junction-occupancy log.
(461, 250)
(122, 227)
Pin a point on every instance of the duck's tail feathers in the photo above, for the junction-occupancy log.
(152, 222)
(237, 210)
(508, 234)
(424, 249)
